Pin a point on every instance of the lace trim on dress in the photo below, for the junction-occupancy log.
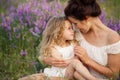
(110, 49)
(113, 48)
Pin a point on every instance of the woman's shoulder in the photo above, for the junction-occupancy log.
(113, 37)
(113, 43)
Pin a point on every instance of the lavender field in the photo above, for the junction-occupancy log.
(21, 26)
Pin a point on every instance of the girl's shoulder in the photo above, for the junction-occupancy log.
(50, 48)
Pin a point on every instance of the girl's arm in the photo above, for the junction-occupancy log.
(68, 61)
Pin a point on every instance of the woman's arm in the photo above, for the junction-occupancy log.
(109, 71)
(55, 59)
(114, 63)
(55, 62)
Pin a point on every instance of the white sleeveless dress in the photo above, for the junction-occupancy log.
(98, 54)
(67, 53)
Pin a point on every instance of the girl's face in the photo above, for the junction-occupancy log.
(68, 33)
(83, 26)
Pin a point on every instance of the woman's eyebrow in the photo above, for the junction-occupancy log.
(69, 20)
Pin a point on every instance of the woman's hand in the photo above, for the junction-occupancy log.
(81, 53)
(55, 62)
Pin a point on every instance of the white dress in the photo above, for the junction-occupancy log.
(67, 53)
(98, 54)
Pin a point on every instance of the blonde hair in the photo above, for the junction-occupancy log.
(52, 35)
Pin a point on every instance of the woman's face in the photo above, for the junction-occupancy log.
(83, 26)
(68, 32)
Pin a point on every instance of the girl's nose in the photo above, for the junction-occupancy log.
(72, 31)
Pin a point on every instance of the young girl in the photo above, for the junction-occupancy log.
(58, 41)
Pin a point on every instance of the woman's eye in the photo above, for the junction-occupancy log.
(75, 23)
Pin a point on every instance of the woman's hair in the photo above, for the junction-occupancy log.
(80, 9)
(52, 35)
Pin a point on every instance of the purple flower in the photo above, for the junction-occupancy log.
(118, 25)
(32, 31)
(103, 17)
(114, 25)
(23, 53)
(35, 63)
(37, 30)
(12, 8)
(43, 22)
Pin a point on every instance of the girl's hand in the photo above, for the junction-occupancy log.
(55, 62)
(81, 53)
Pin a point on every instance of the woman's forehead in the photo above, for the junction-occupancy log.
(72, 20)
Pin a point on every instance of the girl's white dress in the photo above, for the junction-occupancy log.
(67, 53)
(98, 54)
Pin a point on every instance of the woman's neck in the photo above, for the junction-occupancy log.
(97, 26)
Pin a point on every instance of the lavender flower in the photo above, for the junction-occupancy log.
(23, 52)
(111, 23)
(37, 30)
(103, 17)
(32, 31)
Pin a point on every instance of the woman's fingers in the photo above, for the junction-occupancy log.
(77, 54)
(77, 47)
(81, 53)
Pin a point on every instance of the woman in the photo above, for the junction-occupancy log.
(100, 46)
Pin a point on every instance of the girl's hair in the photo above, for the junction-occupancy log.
(52, 35)
(79, 9)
